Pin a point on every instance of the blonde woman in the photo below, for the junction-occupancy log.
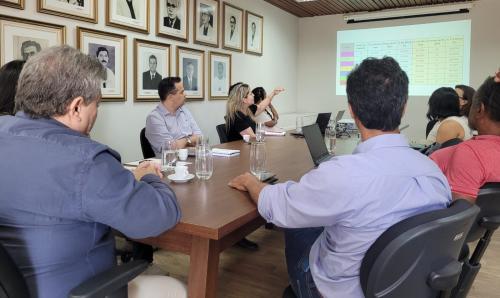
(240, 111)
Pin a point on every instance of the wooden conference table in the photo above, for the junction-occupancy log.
(215, 216)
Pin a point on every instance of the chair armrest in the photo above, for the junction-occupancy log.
(109, 281)
(490, 222)
(446, 278)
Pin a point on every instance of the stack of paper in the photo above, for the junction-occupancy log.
(225, 152)
(274, 133)
(137, 162)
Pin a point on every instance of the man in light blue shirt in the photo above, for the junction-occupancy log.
(335, 212)
(60, 191)
(171, 119)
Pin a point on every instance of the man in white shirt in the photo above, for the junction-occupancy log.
(103, 57)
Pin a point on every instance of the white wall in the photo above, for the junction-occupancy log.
(118, 124)
(318, 51)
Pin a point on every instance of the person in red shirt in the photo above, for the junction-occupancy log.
(475, 162)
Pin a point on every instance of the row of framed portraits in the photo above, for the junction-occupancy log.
(21, 39)
(172, 19)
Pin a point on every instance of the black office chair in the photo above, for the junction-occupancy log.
(487, 222)
(147, 150)
(221, 131)
(418, 257)
(110, 283)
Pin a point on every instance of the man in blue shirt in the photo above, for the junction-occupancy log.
(171, 119)
(60, 190)
(335, 212)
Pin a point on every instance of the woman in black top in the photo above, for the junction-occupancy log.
(240, 111)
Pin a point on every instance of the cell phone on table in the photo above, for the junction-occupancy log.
(267, 176)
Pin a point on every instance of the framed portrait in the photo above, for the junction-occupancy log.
(172, 19)
(21, 39)
(254, 37)
(84, 10)
(111, 50)
(128, 14)
(219, 78)
(191, 69)
(151, 65)
(19, 4)
(232, 28)
(206, 22)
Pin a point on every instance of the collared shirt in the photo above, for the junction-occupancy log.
(356, 198)
(162, 125)
(60, 193)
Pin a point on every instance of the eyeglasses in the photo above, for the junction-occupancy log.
(171, 5)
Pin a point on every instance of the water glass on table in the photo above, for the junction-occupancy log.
(203, 161)
(299, 122)
(168, 155)
(331, 139)
(259, 132)
(258, 159)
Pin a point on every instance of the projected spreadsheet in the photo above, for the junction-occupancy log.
(427, 61)
(433, 54)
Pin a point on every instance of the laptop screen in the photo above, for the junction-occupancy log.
(315, 142)
(339, 116)
(322, 121)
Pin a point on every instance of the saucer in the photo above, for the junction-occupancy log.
(172, 177)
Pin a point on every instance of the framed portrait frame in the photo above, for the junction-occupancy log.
(254, 33)
(232, 27)
(206, 22)
(111, 50)
(151, 65)
(19, 4)
(190, 67)
(21, 38)
(134, 17)
(219, 75)
(172, 19)
(83, 10)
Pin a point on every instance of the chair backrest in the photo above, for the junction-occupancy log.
(147, 150)
(221, 131)
(12, 282)
(451, 142)
(417, 257)
(488, 199)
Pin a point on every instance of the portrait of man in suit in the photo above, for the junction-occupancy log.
(232, 26)
(151, 78)
(190, 78)
(206, 20)
(172, 20)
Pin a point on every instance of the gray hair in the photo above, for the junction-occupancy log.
(54, 77)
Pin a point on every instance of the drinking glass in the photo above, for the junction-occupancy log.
(331, 139)
(259, 132)
(204, 162)
(298, 124)
(258, 159)
(168, 154)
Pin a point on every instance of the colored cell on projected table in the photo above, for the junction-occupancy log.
(347, 54)
(346, 68)
(347, 59)
(347, 63)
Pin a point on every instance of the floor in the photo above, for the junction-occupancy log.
(262, 274)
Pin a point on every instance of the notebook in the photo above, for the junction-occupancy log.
(315, 143)
(225, 152)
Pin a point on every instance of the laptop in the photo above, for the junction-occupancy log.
(315, 143)
(322, 121)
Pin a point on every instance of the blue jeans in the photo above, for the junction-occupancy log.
(298, 244)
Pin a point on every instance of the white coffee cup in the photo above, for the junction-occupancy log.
(183, 153)
(246, 138)
(181, 172)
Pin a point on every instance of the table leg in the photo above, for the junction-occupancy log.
(203, 268)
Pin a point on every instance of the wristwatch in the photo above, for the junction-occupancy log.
(188, 139)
